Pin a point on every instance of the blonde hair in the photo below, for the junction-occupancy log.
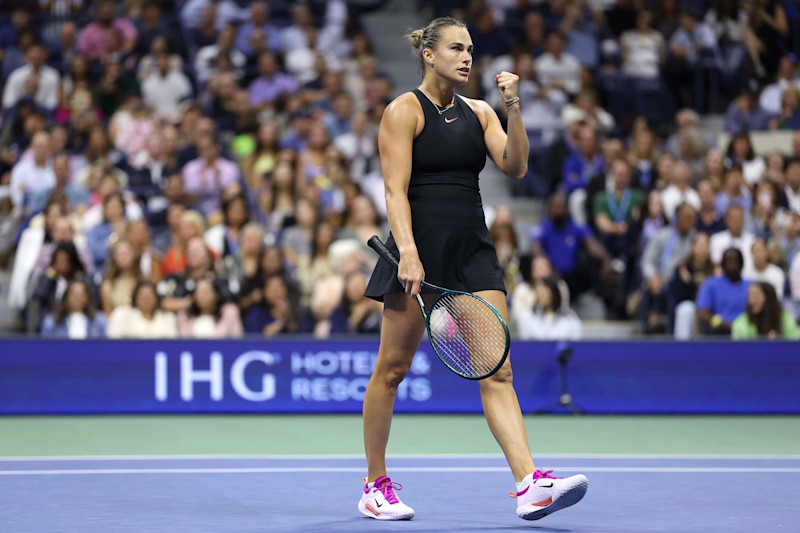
(428, 37)
(196, 219)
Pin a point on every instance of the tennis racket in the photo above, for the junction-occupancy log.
(466, 332)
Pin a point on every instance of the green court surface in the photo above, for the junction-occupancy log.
(411, 434)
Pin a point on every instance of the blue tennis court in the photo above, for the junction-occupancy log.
(628, 493)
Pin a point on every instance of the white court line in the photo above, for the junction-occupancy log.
(445, 456)
(464, 469)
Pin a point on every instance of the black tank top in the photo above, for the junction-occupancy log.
(450, 149)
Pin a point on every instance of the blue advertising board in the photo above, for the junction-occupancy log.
(308, 376)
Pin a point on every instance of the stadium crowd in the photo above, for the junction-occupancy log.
(209, 168)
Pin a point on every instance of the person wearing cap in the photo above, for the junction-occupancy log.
(771, 96)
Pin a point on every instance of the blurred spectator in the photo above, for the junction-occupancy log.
(77, 197)
(652, 219)
(61, 231)
(208, 316)
(642, 48)
(767, 22)
(356, 313)
(34, 80)
(489, 39)
(687, 121)
(504, 237)
(358, 145)
(581, 166)
(113, 223)
(680, 190)
(764, 317)
(734, 192)
(735, 236)
(204, 29)
(741, 153)
(226, 12)
(271, 83)
(763, 270)
(556, 68)
(33, 176)
(243, 269)
(535, 38)
(209, 60)
(581, 34)
(665, 251)
(258, 20)
(643, 157)
(617, 213)
(765, 210)
(184, 226)
(205, 177)
(147, 64)
(687, 46)
(121, 276)
(791, 191)
(294, 36)
(595, 116)
(152, 26)
(64, 266)
(164, 89)
(746, 114)
(722, 298)
(772, 95)
(178, 288)
(108, 34)
(524, 295)
(561, 240)
(789, 117)
(708, 219)
(144, 319)
(548, 319)
(150, 259)
(133, 126)
(225, 239)
(714, 171)
(682, 289)
(95, 215)
(76, 316)
(275, 313)
(296, 240)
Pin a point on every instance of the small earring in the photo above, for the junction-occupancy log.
(431, 65)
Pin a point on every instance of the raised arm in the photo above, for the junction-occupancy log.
(395, 140)
(508, 151)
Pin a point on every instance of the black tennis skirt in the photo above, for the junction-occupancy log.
(453, 242)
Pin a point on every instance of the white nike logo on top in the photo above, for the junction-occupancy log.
(449, 120)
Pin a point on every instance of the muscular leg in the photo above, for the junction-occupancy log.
(401, 333)
(501, 407)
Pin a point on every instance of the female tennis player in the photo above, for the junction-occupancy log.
(433, 144)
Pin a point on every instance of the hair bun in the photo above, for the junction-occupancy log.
(415, 38)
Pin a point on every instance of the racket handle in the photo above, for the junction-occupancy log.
(376, 244)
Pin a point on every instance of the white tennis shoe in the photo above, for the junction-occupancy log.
(540, 494)
(380, 502)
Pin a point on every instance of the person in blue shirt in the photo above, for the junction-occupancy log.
(585, 163)
(723, 298)
(561, 240)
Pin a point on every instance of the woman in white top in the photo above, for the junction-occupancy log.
(144, 319)
(77, 316)
(209, 316)
(548, 320)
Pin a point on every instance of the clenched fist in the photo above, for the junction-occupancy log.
(508, 83)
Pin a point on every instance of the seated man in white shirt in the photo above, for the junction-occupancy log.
(679, 191)
(34, 79)
(556, 68)
(762, 270)
(165, 89)
(733, 237)
(31, 176)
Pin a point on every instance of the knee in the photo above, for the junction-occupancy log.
(503, 376)
(392, 373)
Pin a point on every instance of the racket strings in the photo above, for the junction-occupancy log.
(467, 334)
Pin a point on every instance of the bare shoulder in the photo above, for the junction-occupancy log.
(404, 106)
(404, 112)
(482, 110)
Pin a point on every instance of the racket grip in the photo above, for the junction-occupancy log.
(376, 244)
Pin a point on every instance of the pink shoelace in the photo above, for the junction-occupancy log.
(539, 474)
(387, 487)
